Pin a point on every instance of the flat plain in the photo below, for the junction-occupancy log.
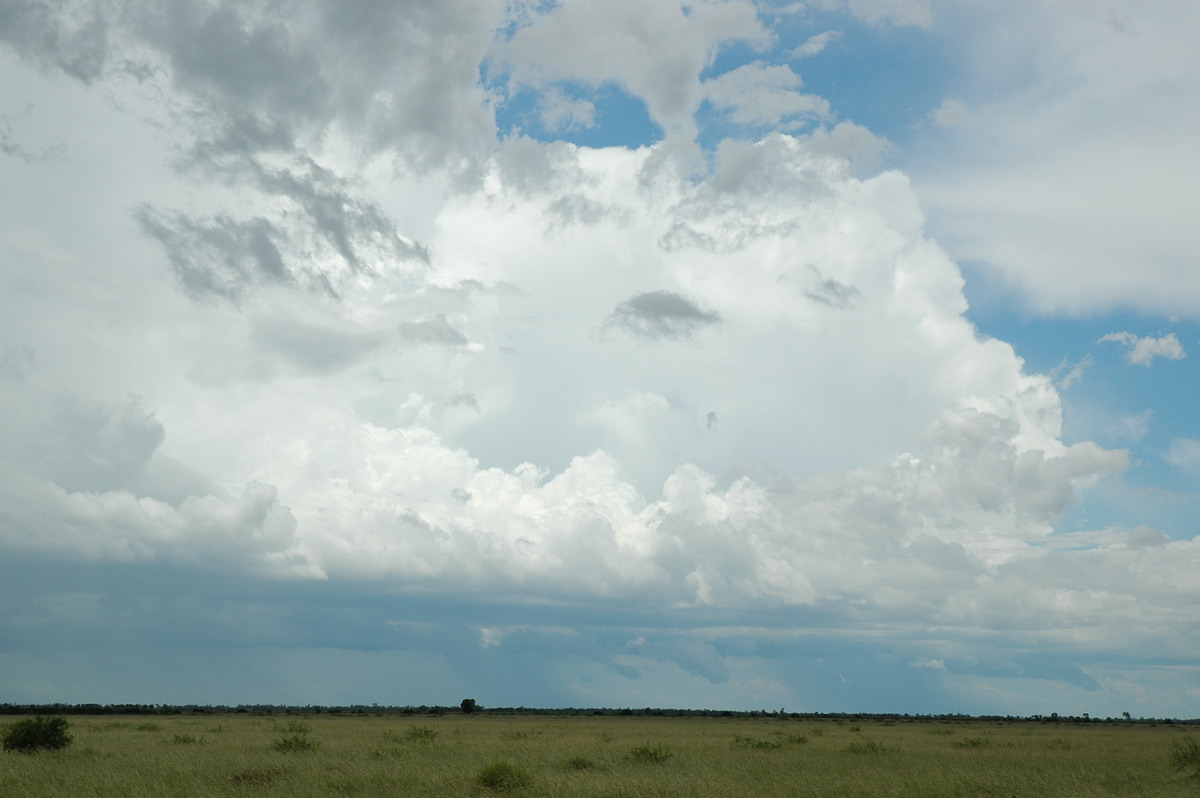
(602, 756)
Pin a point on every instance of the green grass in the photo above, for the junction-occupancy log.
(600, 757)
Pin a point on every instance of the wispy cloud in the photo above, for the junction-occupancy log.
(1184, 453)
(1143, 350)
(1073, 372)
(814, 44)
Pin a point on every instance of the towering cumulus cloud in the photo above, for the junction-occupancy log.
(342, 367)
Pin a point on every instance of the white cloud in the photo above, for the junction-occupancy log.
(1184, 453)
(1070, 178)
(1074, 375)
(863, 150)
(898, 12)
(560, 113)
(950, 112)
(582, 464)
(815, 44)
(655, 51)
(1144, 349)
(1133, 428)
(252, 533)
(373, 345)
(764, 95)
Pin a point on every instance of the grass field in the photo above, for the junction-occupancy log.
(483, 754)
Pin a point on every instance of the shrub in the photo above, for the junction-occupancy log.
(580, 763)
(1185, 755)
(257, 777)
(39, 733)
(972, 742)
(753, 742)
(294, 743)
(646, 753)
(865, 747)
(503, 777)
(420, 734)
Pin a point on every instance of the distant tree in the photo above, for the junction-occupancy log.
(468, 706)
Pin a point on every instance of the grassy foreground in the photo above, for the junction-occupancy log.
(481, 754)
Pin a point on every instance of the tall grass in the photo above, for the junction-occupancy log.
(591, 757)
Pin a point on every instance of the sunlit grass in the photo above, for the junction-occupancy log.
(480, 754)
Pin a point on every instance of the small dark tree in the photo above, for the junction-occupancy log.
(37, 733)
(468, 706)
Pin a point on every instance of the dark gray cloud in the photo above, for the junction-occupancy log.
(70, 36)
(400, 76)
(230, 54)
(435, 331)
(226, 258)
(222, 257)
(660, 314)
(239, 134)
(354, 228)
(250, 81)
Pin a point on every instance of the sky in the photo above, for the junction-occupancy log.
(827, 356)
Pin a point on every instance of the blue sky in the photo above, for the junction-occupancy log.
(836, 356)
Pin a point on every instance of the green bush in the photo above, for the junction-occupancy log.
(39, 733)
(257, 777)
(1185, 755)
(294, 743)
(420, 734)
(503, 777)
(754, 742)
(646, 753)
(972, 742)
(865, 747)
